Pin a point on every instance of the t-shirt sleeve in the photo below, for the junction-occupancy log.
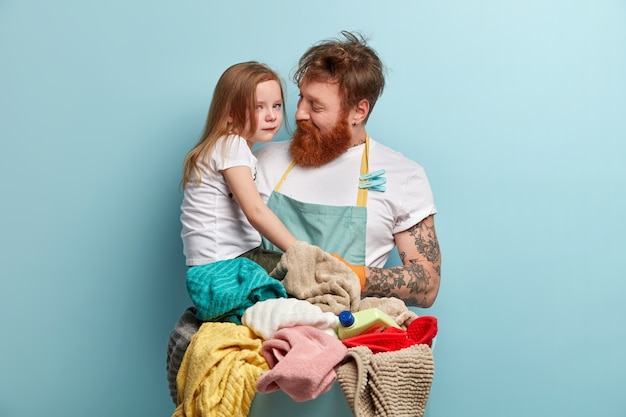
(231, 152)
(417, 201)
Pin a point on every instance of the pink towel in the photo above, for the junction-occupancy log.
(303, 362)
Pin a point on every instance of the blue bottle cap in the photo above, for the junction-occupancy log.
(346, 318)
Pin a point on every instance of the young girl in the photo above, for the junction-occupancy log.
(222, 211)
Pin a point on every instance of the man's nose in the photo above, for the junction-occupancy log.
(302, 113)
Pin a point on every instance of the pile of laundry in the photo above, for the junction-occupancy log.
(249, 331)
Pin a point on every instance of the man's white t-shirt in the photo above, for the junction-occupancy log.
(214, 226)
(407, 200)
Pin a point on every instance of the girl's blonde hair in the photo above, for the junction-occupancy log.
(233, 103)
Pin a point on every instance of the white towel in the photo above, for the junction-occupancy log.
(266, 317)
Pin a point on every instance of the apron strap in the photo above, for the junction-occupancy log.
(284, 177)
(361, 197)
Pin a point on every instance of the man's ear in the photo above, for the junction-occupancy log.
(361, 111)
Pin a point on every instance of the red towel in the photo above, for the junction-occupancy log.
(422, 330)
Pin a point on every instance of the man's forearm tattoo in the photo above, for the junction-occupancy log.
(426, 243)
(409, 282)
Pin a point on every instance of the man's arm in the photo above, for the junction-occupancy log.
(416, 281)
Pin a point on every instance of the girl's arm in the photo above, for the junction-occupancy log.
(239, 179)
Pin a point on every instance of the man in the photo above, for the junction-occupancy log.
(336, 188)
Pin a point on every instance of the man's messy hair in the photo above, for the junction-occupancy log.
(349, 62)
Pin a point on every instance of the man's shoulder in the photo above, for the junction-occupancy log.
(271, 148)
(387, 155)
(272, 156)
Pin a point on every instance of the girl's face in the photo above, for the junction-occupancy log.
(269, 112)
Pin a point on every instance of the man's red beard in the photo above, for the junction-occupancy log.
(310, 148)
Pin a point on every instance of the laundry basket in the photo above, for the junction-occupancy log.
(332, 403)
(278, 404)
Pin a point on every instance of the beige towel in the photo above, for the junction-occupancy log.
(387, 384)
(392, 306)
(310, 274)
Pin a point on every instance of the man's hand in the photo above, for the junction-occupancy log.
(359, 270)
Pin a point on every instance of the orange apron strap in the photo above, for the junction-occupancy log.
(284, 177)
(361, 197)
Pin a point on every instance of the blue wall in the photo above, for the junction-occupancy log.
(515, 108)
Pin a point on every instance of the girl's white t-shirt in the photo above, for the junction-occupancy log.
(214, 227)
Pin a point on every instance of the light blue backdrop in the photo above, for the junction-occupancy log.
(515, 108)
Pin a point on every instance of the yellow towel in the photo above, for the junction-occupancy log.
(218, 374)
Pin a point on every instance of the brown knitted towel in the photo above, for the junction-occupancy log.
(310, 274)
(387, 384)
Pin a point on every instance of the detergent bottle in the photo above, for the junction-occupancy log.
(370, 320)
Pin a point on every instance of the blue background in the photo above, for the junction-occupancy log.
(515, 108)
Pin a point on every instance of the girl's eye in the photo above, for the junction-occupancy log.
(278, 106)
